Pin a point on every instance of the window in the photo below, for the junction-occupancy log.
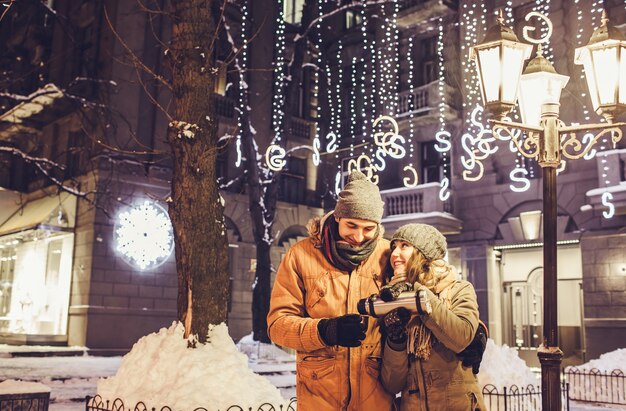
(353, 19)
(220, 80)
(292, 181)
(304, 94)
(428, 59)
(432, 163)
(35, 274)
(292, 11)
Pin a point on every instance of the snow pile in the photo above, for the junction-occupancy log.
(161, 371)
(599, 380)
(502, 367)
(614, 360)
(21, 387)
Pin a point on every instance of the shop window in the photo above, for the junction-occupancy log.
(35, 273)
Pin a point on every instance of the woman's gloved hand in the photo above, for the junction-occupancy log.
(395, 322)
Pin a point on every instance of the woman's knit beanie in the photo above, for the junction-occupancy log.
(426, 238)
(360, 199)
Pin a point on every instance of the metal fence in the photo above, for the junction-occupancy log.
(516, 398)
(38, 401)
(593, 385)
(97, 403)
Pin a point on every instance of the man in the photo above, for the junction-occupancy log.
(314, 304)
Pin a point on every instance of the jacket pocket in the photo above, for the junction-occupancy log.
(369, 376)
(317, 291)
(317, 378)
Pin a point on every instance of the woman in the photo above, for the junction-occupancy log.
(420, 357)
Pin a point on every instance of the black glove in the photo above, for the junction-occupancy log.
(395, 322)
(346, 331)
(472, 355)
(391, 292)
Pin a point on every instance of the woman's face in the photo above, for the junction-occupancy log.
(401, 251)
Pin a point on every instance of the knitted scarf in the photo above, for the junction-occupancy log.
(441, 276)
(341, 254)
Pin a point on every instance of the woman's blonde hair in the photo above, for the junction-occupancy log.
(417, 267)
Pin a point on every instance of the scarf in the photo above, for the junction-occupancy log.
(441, 276)
(341, 254)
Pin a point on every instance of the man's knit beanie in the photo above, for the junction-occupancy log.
(360, 199)
(426, 238)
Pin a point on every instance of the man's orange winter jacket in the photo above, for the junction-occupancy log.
(307, 289)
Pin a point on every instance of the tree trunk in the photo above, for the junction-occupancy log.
(196, 209)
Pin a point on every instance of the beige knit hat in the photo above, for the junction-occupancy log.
(360, 199)
(425, 238)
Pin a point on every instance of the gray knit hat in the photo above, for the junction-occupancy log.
(425, 238)
(360, 199)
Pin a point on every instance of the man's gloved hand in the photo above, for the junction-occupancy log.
(472, 355)
(395, 323)
(346, 331)
(391, 292)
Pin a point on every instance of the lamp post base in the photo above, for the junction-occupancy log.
(550, 359)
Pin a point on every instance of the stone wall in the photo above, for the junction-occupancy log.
(604, 290)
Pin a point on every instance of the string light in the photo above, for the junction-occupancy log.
(278, 103)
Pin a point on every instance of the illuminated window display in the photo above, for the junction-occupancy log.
(35, 273)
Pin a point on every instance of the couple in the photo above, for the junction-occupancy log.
(344, 361)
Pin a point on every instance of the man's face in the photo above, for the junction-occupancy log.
(356, 232)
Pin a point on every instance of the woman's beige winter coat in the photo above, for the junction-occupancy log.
(307, 289)
(440, 383)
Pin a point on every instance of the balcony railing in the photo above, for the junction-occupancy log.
(419, 101)
(419, 204)
(423, 198)
(419, 12)
(299, 127)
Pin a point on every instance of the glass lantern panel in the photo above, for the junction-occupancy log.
(530, 99)
(583, 57)
(489, 70)
(512, 63)
(606, 69)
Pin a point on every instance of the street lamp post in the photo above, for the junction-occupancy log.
(499, 60)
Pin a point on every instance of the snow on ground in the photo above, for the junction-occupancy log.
(72, 378)
(606, 371)
(161, 370)
(502, 367)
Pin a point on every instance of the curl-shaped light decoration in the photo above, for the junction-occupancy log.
(443, 138)
(143, 235)
(332, 144)
(316, 152)
(367, 169)
(239, 156)
(390, 141)
(444, 191)
(606, 201)
(412, 180)
(275, 157)
(477, 148)
(518, 175)
(545, 37)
